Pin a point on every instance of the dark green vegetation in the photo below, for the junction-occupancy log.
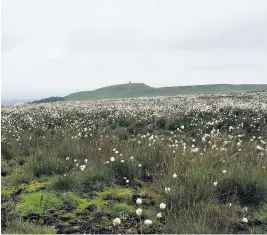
(48, 100)
(142, 90)
(66, 170)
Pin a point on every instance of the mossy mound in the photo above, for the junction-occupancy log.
(35, 186)
(7, 191)
(117, 193)
(11, 190)
(71, 201)
(109, 195)
(40, 203)
(121, 210)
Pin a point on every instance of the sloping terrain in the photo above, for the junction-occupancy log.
(141, 89)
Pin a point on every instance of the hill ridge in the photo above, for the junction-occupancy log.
(128, 90)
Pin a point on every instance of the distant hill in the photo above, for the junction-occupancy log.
(115, 91)
(48, 100)
(140, 89)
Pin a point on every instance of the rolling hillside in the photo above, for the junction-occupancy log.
(141, 89)
(115, 91)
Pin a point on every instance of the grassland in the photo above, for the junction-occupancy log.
(197, 162)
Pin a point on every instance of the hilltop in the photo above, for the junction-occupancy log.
(114, 91)
(140, 89)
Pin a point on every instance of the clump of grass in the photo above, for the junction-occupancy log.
(161, 122)
(68, 182)
(122, 210)
(257, 229)
(95, 179)
(191, 187)
(47, 165)
(8, 212)
(262, 214)
(197, 220)
(6, 151)
(243, 191)
(24, 227)
(20, 176)
(120, 171)
(122, 133)
(225, 218)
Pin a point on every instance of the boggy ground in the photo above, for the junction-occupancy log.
(198, 164)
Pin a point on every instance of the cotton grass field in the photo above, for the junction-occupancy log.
(181, 164)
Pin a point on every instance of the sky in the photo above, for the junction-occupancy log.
(56, 47)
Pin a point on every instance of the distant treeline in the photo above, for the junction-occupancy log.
(48, 100)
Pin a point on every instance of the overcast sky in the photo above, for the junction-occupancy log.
(55, 47)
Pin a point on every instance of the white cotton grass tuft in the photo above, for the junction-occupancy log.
(162, 206)
(245, 220)
(167, 189)
(259, 147)
(116, 221)
(159, 215)
(148, 222)
(215, 183)
(138, 201)
(138, 211)
(82, 167)
(174, 175)
(112, 159)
